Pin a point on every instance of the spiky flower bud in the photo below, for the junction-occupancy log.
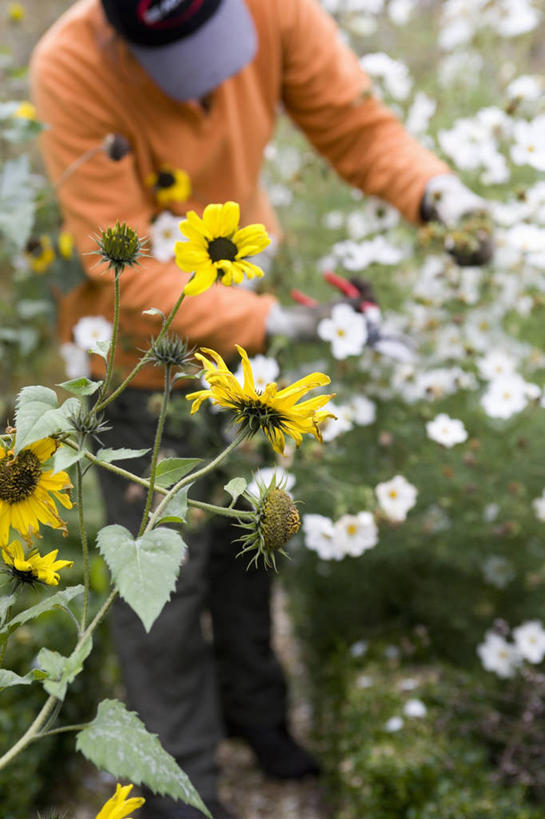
(116, 147)
(119, 246)
(276, 521)
(88, 423)
(171, 350)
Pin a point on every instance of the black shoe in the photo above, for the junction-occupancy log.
(162, 807)
(278, 754)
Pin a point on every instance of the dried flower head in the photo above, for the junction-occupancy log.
(116, 147)
(172, 350)
(275, 522)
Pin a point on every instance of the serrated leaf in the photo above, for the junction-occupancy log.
(61, 671)
(80, 386)
(110, 455)
(170, 470)
(144, 569)
(101, 348)
(65, 457)
(37, 415)
(59, 600)
(118, 742)
(236, 487)
(176, 509)
(9, 678)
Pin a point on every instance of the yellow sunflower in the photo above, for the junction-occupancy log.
(40, 254)
(119, 806)
(217, 248)
(170, 185)
(274, 411)
(33, 568)
(28, 492)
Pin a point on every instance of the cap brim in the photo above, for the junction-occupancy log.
(191, 67)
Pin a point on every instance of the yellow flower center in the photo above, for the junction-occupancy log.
(352, 529)
(393, 493)
(221, 249)
(19, 477)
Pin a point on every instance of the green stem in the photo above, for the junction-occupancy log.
(63, 729)
(115, 333)
(193, 476)
(84, 545)
(227, 512)
(143, 361)
(30, 734)
(155, 451)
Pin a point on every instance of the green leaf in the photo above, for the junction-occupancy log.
(5, 603)
(59, 600)
(110, 455)
(37, 415)
(61, 671)
(64, 457)
(8, 678)
(236, 487)
(118, 742)
(102, 348)
(80, 386)
(176, 509)
(144, 570)
(16, 201)
(170, 470)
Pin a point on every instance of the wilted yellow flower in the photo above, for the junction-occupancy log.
(274, 411)
(16, 12)
(170, 185)
(65, 244)
(33, 568)
(40, 254)
(217, 248)
(28, 492)
(119, 806)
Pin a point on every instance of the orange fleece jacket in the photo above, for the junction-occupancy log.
(86, 84)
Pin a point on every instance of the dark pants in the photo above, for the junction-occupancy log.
(182, 684)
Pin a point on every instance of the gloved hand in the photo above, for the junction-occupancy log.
(299, 322)
(465, 215)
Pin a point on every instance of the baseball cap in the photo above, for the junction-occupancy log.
(188, 47)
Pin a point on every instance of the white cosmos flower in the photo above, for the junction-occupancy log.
(90, 329)
(76, 360)
(396, 497)
(356, 533)
(392, 73)
(393, 724)
(400, 11)
(498, 655)
(420, 113)
(526, 87)
(265, 476)
(320, 536)
(530, 640)
(164, 233)
(496, 363)
(529, 145)
(498, 571)
(346, 330)
(364, 411)
(507, 395)
(446, 431)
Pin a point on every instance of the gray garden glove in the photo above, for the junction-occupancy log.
(465, 215)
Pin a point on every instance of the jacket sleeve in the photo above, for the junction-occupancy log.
(329, 96)
(101, 191)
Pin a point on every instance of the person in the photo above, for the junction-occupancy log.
(195, 87)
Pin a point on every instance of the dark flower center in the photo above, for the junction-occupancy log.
(255, 415)
(26, 576)
(165, 179)
(19, 476)
(222, 249)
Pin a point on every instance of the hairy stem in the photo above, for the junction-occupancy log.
(155, 451)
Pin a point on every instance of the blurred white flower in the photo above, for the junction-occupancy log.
(408, 684)
(538, 505)
(90, 329)
(400, 11)
(530, 640)
(446, 431)
(265, 476)
(496, 363)
(396, 497)
(498, 571)
(164, 233)
(356, 534)
(510, 18)
(364, 411)
(333, 219)
(359, 649)
(393, 74)
(526, 87)
(331, 428)
(507, 395)
(498, 655)
(280, 195)
(529, 145)
(415, 708)
(346, 330)
(320, 536)
(76, 360)
(420, 113)
(393, 724)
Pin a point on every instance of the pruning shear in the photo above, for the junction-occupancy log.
(360, 293)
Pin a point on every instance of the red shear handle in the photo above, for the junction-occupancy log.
(346, 287)
(302, 298)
